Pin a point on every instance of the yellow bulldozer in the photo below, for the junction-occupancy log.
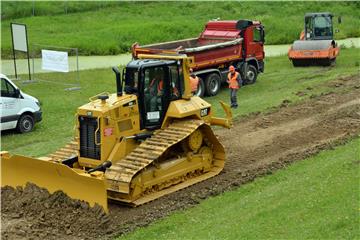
(149, 139)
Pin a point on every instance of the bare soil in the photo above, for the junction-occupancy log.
(257, 145)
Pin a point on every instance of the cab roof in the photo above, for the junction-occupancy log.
(137, 63)
(319, 14)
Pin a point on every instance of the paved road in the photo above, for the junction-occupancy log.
(92, 62)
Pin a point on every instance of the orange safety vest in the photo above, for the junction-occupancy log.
(232, 80)
(194, 82)
(159, 86)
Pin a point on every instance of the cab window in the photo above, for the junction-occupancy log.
(309, 28)
(155, 96)
(257, 34)
(174, 82)
(131, 80)
(7, 90)
(323, 26)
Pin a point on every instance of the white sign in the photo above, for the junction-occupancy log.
(153, 115)
(55, 61)
(19, 37)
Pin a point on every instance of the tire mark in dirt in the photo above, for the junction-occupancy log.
(251, 140)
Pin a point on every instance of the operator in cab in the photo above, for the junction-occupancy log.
(156, 91)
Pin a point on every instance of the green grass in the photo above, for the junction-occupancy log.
(18, 9)
(317, 198)
(280, 81)
(111, 29)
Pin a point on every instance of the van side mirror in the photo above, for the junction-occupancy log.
(339, 20)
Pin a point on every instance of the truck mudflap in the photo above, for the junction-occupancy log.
(19, 170)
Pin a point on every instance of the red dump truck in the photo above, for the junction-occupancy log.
(221, 44)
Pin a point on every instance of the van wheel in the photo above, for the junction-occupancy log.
(212, 84)
(251, 74)
(201, 88)
(25, 123)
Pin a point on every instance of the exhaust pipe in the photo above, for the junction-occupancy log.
(118, 81)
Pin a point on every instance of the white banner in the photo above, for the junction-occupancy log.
(55, 61)
(19, 37)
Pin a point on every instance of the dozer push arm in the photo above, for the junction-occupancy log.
(224, 122)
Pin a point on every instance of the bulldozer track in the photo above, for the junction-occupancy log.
(64, 153)
(123, 171)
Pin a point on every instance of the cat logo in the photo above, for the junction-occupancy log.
(204, 112)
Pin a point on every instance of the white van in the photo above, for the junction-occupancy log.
(17, 109)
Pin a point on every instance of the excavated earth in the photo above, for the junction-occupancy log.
(257, 145)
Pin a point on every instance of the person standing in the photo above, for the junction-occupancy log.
(234, 81)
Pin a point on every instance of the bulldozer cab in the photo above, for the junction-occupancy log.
(156, 83)
(318, 26)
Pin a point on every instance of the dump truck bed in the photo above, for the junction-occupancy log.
(206, 52)
(219, 43)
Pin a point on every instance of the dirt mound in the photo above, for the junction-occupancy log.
(257, 145)
(35, 213)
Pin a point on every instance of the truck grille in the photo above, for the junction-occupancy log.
(88, 148)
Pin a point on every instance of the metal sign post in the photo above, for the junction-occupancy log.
(20, 42)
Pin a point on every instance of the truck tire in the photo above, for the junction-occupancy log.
(25, 123)
(212, 84)
(251, 74)
(201, 88)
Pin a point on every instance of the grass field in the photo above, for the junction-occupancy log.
(279, 82)
(111, 27)
(317, 198)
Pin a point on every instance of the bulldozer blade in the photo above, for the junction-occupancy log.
(19, 170)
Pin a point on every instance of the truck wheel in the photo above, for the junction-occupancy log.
(251, 74)
(201, 88)
(25, 123)
(212, 84)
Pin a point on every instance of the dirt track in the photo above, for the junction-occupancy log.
(257, 145)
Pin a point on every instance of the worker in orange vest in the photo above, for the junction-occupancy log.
(234, 81)
(156, 92)
(194, 82)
